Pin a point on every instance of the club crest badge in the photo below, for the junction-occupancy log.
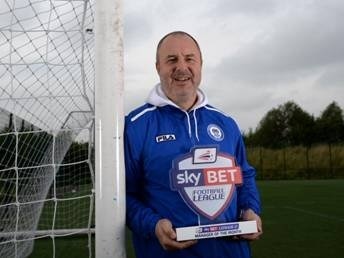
(215, 132)
(206, 179)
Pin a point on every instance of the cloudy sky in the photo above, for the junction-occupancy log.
(257, 54)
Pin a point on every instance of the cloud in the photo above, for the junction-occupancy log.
(294, 44)
(224, 8)
(331, 77)
(136, 28)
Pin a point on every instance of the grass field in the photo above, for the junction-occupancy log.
(302, 219)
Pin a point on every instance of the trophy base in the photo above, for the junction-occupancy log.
(216, 230)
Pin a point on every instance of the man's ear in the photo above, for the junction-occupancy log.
(157, 67)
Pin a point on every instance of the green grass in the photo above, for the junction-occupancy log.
(65, 247)
(301, 218)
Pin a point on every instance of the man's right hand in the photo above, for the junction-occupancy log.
(167, 236)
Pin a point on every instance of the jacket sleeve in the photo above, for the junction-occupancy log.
(248, 195)
(140, 218)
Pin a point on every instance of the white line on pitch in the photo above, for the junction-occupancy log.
(314, 213)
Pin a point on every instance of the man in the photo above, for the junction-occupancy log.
(178, 127)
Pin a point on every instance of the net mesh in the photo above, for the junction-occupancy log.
(46, 122)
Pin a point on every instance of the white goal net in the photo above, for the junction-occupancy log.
(46, 123)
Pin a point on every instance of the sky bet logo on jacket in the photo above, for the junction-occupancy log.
(206, 179)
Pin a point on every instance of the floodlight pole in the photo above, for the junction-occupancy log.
(109, 120)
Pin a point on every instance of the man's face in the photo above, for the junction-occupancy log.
(179, 67)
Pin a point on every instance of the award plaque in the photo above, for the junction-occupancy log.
(206, 180)
(216, 230)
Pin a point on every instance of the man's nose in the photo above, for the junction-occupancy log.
(182, 65)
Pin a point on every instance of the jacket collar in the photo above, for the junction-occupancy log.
(158, 98)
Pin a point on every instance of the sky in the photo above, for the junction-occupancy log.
(257, 54)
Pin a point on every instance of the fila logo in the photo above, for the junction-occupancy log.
(165, 137)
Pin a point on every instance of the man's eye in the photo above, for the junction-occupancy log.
(171, 60)
(190, 59)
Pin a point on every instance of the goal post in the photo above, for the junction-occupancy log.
(109, 121)
(61, 124)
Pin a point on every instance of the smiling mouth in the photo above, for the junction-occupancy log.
(182, 79)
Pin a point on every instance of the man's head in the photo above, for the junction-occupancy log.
(179, 65)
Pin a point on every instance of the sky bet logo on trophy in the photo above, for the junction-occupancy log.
(206, 179)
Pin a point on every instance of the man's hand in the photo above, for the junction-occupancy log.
(167, 236)
(251, 215)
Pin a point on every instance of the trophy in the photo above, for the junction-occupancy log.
(206, 179)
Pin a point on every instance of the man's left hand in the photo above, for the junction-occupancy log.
(251, 215)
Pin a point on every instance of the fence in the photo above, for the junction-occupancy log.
(298, 162)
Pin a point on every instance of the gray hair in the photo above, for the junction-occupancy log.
(183, 33)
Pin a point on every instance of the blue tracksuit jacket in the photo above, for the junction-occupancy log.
(156, 135)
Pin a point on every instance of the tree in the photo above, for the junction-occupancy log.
(330, 124)
(286, 125)
(270, 130)
(300, 125)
